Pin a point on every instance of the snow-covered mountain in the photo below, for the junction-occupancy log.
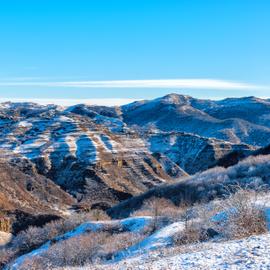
(89, 156)
(243, 120)
(103, 155)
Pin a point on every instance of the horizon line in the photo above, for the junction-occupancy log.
(195, 83)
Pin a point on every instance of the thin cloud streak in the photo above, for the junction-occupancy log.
(167, 83)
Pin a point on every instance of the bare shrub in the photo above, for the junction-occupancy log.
(244, 216)
(121, 241)
(237, 216)
(71, 252)
(251, 222)
(28, 239)
(191, 234)
(5, 256)
(97, 215)
(160, 207)
(85, 249)
(34, 237)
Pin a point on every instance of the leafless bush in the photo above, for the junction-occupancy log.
(35, 236)
(156, 207)
(5, 256)
(121, 241)
(237, 216)
(71, 252)
(245, 216)
(160, 207)
(191, 234)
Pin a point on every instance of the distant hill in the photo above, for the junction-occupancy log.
(242, 120)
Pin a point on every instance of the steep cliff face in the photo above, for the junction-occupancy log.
(27, 198)
(29, 191)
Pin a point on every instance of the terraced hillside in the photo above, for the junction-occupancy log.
(102, 163)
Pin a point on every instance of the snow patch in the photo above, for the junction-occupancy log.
(161, 238)
(25, 124)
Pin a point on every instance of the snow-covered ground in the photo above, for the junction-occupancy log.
(249, 253)
(160, 239)
(157, 251)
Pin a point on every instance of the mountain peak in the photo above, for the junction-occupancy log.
(176, 98)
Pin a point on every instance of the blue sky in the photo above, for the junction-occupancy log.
(62, 49)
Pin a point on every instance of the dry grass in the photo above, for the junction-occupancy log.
(85, 249)
(97, 215)
(5, 256)
(190, 235)
(160, 207)
(121, 241)
(34, 237)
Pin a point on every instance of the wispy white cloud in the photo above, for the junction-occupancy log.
(166, 83)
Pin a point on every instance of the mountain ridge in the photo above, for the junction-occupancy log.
(206, 118)
(103, 155)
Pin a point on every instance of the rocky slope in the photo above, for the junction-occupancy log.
(29, 198)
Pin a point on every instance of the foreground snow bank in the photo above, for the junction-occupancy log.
(211, 255)
(249, 253)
